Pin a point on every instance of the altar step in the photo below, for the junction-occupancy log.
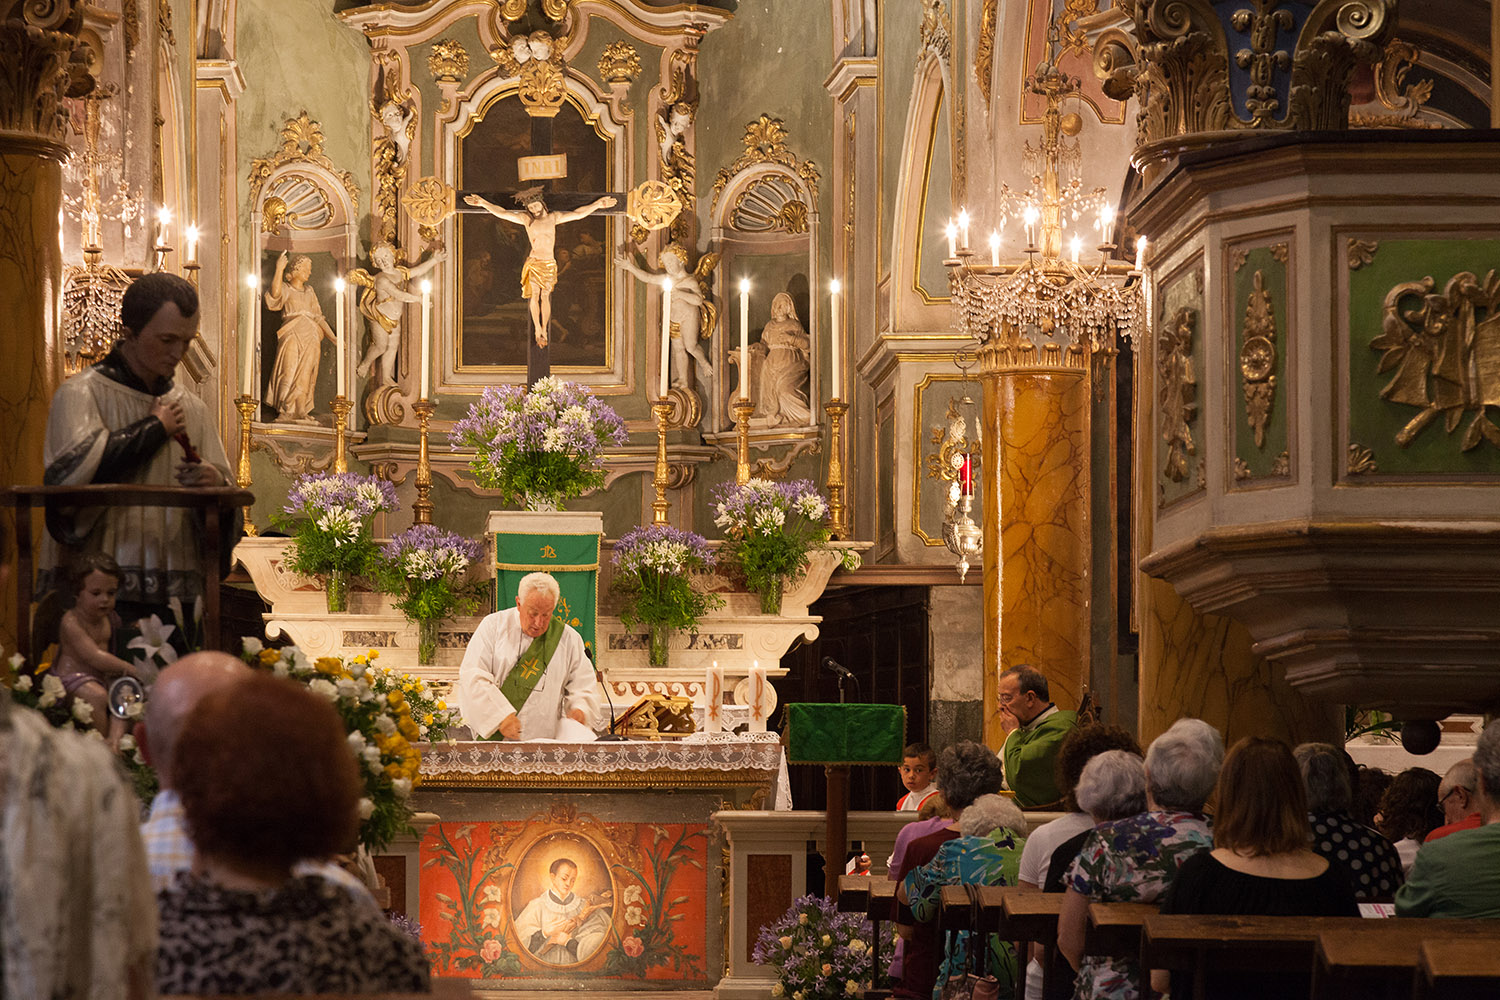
(654, 991)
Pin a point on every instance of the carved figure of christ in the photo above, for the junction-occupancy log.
(539, 272)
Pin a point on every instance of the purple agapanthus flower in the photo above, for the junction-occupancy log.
(663, 548)
(427, 552)
(322, 493)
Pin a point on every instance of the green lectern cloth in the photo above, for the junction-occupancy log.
(572, 558)
(845, 734)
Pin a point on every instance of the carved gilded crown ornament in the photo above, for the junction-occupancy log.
(765, 141)
(448, 62)
(301, 142)
(1203, 71)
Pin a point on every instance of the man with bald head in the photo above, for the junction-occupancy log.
(169, 848)
(1457, 799)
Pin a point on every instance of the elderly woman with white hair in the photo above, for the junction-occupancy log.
(987, 851)
(1133, 860)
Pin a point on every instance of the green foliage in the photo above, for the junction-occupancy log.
(653, 597)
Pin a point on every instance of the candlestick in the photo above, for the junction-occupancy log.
(952, 241)
(1106, 220)
(338, 335)
(191, 259)
(163, 221)
(341, 407)
(744, 338)
(1030, 217)
(248, 385)
(713, 699)
(994, 248)
(426, 339)
(838, 525)
(742, 408)
(246, 404)
(1140, 254)
(421, 508)
(662, 408)
(1075, 246)
(963, 228)
(759, 698)
(835, 338)
(666, 337)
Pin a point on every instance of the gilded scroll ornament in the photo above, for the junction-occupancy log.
(1238, 258)
(429, 202)
(952, 443)
(1361, 460)
(1446, 355)
(765, 141)
(1177, 394)
(164, 22)
(934, 30)
(448, 62)
(1241, 469)
(619, 63)
(984, 53)
(1280, 253)
(1402, 103)
(1361, 252)
(1258, 359)
(652, 205)
(301, 142)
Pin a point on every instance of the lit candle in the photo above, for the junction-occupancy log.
(1140, 254)
(835, 337)
(163, 220)
(713, 699)
(252, 282)
(760, 708)
(1075, 245)
(338, 331)
(426, 338)
(994, 248)
(966, 474)
(666, 335)
(192, 245)
(1106, 220)
(744, 338)
(963, 228)
(1029, 217)
(952, 240)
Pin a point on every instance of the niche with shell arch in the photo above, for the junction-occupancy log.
(303, 204)
(765, 220)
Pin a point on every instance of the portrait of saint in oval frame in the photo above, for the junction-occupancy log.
(562, 901)
(494, 317)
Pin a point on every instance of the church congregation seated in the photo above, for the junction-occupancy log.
(1369, 860)
(1459, 875)
(1133, 860)
(1458, 798)
(240, 921)
(1409, 811)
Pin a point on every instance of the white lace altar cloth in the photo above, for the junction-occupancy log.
(699, 752)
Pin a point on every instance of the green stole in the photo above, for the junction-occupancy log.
(528, 671)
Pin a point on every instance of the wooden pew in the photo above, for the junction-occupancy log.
(874, 896)
(1114, 929)
(1458, 969)
(1198, 942)
(1379, 958)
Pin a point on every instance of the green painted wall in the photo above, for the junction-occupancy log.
(900, 41)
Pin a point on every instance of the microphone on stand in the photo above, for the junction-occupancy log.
(610, 736)
(843, 673)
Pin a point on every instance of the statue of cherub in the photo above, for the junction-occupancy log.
(694, 315)
(381, 303)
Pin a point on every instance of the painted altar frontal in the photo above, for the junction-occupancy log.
(587, 866)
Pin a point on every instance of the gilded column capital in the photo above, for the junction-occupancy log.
(1203, 71)
(37, 70)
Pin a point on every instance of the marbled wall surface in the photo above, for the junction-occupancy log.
(30, 349)
(1037, 461)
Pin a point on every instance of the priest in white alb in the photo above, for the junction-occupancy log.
(525, 672)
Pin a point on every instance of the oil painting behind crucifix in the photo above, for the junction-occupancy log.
(495, 319)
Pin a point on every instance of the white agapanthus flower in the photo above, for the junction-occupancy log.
(83, 712)
(323, 687)
(366, 808)
(52, 692)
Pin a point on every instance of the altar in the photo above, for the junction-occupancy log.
(627, 827)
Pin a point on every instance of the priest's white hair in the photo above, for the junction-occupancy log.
(544, 582)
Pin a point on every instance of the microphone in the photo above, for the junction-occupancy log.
(610, 736)
(829, 663)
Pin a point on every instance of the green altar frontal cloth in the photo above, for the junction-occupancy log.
(572, 559)
(845, 734)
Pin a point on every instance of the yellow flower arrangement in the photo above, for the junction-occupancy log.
(380, 731)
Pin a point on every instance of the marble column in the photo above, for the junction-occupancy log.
(1037, 548)
(36, 43)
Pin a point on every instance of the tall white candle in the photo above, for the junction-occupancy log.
(835, 339)
(760, 707)
(252, 282)
(192, 246)
(744, 338)
(952, 240)
(338, 333)
(994, 248)
(666, 336)
(426, 338)
(163, 221)
(713, 699)
(1140, 254)
(963, 228)
(1075, 246)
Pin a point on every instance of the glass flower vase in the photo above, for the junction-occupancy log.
(658, 637)
(427, 641)
(336, 588)
(770, 597)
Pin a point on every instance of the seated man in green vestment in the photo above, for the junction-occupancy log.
(1034, 729)
(525, 671)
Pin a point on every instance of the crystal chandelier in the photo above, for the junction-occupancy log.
(957, 458)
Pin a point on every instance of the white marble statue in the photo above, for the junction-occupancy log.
(381, 304)
(298, 340)
(693, 314)
(782, 397)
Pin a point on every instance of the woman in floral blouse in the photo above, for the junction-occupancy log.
(988, 852)
(1134, 860)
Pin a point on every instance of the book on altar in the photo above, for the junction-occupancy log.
(571, 731)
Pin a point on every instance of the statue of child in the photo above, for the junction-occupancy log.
(84, 663)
